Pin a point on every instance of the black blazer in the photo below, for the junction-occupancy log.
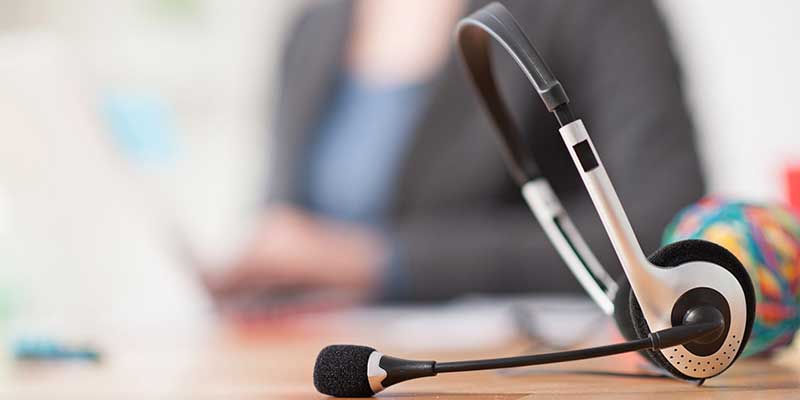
(459, 222)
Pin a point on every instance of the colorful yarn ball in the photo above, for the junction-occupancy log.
(766, 239)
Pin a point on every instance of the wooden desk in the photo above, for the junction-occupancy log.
(276, 363)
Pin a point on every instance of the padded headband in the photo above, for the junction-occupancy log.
(475, 34)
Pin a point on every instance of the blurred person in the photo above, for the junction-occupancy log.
(387, 182)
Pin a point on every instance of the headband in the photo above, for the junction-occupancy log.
(475, 34)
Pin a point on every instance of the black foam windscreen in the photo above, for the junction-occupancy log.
(341, 371)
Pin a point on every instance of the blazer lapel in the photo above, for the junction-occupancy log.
(314, 57)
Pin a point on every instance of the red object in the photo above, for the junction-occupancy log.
(793, 186)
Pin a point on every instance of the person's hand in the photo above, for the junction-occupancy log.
(293, 252)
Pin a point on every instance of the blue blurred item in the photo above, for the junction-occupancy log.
(40, 349)
(142, 124)
(359, 147)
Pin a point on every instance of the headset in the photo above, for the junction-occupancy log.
(689, 306)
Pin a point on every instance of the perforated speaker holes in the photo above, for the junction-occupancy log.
(703, 366)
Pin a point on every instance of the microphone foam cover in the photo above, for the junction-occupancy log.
(341, 371)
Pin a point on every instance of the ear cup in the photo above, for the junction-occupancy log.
(622, 313)
(672, 255)
(630, 321)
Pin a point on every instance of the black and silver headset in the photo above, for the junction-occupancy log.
(656, 291)
(690, 305)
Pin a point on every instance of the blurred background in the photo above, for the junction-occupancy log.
(127, 123)
(89, 198)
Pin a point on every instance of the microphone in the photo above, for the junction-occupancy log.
(361, 371)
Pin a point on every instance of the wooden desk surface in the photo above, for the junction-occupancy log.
(276, 362)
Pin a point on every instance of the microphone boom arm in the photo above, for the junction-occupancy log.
(656, 340)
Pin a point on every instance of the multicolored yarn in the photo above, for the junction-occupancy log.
(766, 239)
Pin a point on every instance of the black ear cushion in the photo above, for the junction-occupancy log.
(622, 313)
(679, 253)
(630, 322)
(642, 330)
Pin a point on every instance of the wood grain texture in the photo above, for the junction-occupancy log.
(275, 362)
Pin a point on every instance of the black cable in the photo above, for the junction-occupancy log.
(537, 359)
(682, 334)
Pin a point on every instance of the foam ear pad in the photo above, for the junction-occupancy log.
(622, 313)
(669, 256)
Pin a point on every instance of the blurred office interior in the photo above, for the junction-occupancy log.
(128, 126)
